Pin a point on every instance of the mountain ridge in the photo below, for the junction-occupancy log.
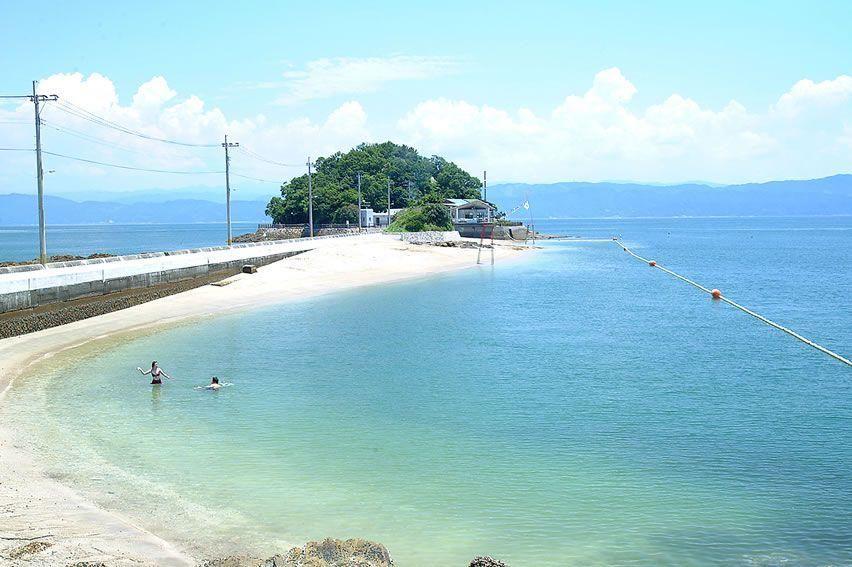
(827, 196)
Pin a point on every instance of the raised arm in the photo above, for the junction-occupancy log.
(144, 372)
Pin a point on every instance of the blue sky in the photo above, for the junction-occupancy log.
(500, 73)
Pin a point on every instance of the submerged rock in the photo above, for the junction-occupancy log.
(327, 553)
(233, 561)
(486, 562)
(334, 553)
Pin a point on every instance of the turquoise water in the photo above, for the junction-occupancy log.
(19, 243)
(572, 408)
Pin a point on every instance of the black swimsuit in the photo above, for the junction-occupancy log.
(156, 378)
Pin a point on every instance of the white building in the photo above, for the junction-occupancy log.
(470, 210)
(370, 218)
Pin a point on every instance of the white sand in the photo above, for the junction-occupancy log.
(35, 506)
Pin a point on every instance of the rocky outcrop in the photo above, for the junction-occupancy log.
(331, 553)
(334, 553)
(486, 562)
(326, 553)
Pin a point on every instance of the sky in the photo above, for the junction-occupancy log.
(538, 92)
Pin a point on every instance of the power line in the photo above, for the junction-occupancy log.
(131, 167)
(88, 138)
(80, 112)
(256, 178)
(258, 157)
(17, 150)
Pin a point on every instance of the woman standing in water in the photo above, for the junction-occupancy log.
(155, 373)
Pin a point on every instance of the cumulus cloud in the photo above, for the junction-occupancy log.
(159, 111)
(600, 135)
(325, 78)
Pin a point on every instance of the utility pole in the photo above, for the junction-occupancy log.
(359, 201)
(388, 200)
(36, 99)
(227, 145)
(410, 191)
(485, 186)
(311, 200)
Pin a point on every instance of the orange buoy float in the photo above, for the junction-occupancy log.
(652, 263)
(716, 294)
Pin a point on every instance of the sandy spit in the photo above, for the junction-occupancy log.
(36, 508)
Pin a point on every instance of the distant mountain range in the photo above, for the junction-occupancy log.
(828, 196)
(16, 209)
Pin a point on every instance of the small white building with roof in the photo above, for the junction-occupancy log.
(470, 210)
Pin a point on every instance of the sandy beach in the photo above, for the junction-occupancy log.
(36, 508)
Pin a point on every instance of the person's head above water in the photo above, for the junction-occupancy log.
(214, 380)
(153, 364)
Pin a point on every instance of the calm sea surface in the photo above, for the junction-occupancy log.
(574, 407)
(18, 243)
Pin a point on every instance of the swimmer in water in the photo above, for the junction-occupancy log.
(156, 372)
(214, 384)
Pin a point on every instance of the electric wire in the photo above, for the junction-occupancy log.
(256, 178)
(131, 167)
(84, 114)
(259, 157)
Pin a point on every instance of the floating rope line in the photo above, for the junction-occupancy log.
(716, 294)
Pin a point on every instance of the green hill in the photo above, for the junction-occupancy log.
(414, 179)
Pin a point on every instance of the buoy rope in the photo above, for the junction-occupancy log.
(732, 303)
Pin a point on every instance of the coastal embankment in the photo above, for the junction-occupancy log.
(42, 521)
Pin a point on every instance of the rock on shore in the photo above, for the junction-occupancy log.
(326, 553)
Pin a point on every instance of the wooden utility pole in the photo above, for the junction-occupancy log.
(227, 145)
(359, 201)
(42, 232)
(311, 200)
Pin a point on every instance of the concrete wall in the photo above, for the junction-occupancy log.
(501, 232)
(25, 287)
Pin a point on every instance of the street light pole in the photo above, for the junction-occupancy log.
(388, 200)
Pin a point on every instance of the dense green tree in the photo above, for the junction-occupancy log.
(429, 216)
(413, 178)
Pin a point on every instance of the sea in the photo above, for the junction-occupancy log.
(21, 243)
(572, 406)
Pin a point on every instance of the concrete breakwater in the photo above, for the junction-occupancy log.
(33, 286)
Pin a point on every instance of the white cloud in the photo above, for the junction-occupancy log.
(599, 135)
(157, 110)
(807, 95)
(325, 78)
(595, 135)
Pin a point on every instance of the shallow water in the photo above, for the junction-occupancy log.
(575, 407)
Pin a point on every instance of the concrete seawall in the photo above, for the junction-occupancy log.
(31, 286)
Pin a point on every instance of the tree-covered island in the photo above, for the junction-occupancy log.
(415, 181)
